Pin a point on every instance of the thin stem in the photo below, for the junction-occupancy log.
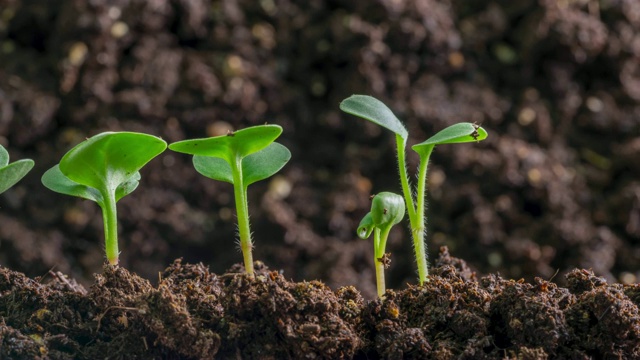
(380, 244)
(404, 177)
(417, 225)
(242, 211)
(379, 265)
(110, 218)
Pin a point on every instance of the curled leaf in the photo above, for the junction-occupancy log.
(454, 134)
(366, 226)
(107, 160)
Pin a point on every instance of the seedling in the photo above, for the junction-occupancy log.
(10, 174)
(104, 169)
(387, 209)
(240, 158)
(372, 109)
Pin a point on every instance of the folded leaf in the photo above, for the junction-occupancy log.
(374, 110)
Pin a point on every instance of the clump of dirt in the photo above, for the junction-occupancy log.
(270, 316)
(194, 314)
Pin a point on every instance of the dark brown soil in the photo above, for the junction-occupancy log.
(193, 313)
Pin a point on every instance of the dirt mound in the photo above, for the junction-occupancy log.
(193, 313)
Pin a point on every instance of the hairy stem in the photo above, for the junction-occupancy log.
(242, 211)
(404, 177)
(417, 223)
(110, 218)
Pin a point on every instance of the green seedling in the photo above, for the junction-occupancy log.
(10, 174)
(240, 158)
(387, 209)
(104, 169)
(372, 109)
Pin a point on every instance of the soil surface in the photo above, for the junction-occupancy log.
(194, 313)
(556, 84)
(554, 187)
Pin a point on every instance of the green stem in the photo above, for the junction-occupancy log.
(417, 223)
(110, 218)
(404, 177)
(242, 211)
(380, 244)
(379, 266)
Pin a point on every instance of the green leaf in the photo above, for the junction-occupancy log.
(55, 180)
(457, 133)
(366, 226)
(12, 173)
(387, 209)
(109, 159)
(374, 110)
(264, 163)
(4, 157)
(128, 186)
(231, 146)
(255, 167)
(213, 167)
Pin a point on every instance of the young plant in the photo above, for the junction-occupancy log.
(240, 158)
(372, 109)
(104, 169)
(10, 174)
(387, 209)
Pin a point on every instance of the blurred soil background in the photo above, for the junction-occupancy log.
(556, 84)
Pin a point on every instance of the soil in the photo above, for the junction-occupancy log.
(194, 313)
(554, 187)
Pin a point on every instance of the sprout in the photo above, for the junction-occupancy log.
(10, 174)
(240, 158)
(387, 209)
(374, 110)
(104, 169)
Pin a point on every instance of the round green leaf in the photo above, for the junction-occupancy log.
(213, 167)
(374, 110)
(55, 180)
(4, 156)
(233, 145)
(387, 209)
(109, 159)
(12, 173)
(457, 133)
(264, 163)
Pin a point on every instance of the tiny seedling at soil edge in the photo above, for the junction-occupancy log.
(372, 109)
(387, 209)
(104, 169)
(240, 158)
(10, 174)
